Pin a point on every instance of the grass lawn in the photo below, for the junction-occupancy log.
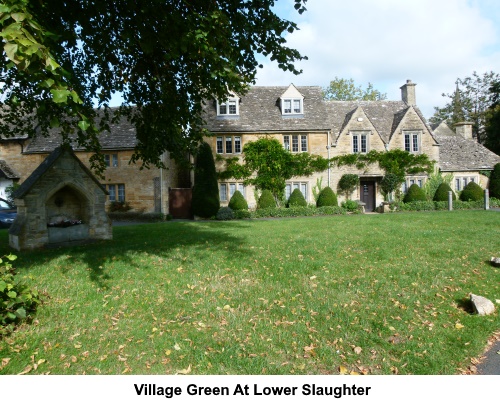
(368, 294)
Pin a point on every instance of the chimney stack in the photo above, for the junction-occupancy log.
(464, 129)
(408, 93)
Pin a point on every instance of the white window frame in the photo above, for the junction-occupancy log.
(418, 180)
(292, 106)
(357, 141)
(303, 186)
(234, 142)
(230, 107)
(111, 160)
(462, 181)
(226, 190)
(295, 143)
(414, 141)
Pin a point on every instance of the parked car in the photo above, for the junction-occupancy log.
(7, 214)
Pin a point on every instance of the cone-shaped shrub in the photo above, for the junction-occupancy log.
(327, 198)
(238, 202)
(205, 200)
(495, 182)
(414, 193)
(441, 193)
(266, 200)
(472, 192)
(297, 199)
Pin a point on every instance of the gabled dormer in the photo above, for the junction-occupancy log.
(229, 108)
(292, 103)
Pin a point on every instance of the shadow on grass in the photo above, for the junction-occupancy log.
(465, 304)
(130, 243)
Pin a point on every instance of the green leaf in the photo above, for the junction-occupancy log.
(12, 294)
(10, 315)
(11, 257)
(60, 96)
(21, 313)
(19, 16)
(48, 83)
(3, 285)
(54, 122)
(10, 49)
(83, 125)
(4, 8)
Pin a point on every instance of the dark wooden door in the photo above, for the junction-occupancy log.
(368, 195)
(179, 203)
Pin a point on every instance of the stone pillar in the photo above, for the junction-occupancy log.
(450, 200)
(486, 199)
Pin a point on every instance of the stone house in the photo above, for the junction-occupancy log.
(303, 122)
(145, 190)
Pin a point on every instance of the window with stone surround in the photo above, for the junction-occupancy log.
(229, 107)
(412, 141)
(111, 160)
(301, 185)
(226, 190)
(116, 192)
(295, 143)
(360, 141)
(228, 144)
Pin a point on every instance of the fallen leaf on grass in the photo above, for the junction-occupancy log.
(26, 370)
(185, 371)
(343, 370)
(459, 326)
(4, 362)
(177, 347)
(357, 350)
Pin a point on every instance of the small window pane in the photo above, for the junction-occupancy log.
(220, 148)
(115, 160)
(363, 143)
(296, 107)
(241, 189)
(223, 192)
(112, 192)
(457, 184)
(121, 192)
(232, 107)
(237, 144)
(407, 142)
(295, 143)
(229, 144)
(223, 109)
(288, 191)
(303, 189)
(232, 189)
(286, 142)
(303, 143)
(415, 143)
(287, 106)
(355, 146)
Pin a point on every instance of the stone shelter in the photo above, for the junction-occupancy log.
(60, 202)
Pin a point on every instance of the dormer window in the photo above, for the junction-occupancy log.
(292, 102)
(229, 107)
(292, 106)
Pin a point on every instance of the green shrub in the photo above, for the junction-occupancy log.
(494, 202)
(414, 193)
(350, 205)
(472, 192)
(327, 198)
(297, 199)
(205, 200)
(281, 212)
(242, 214)
(119, 206)
(266, 200)
(442, 191)
(348, 183)
(17, 300)
(390, 183)
(225, 214)
(238, 202)
(494, 185)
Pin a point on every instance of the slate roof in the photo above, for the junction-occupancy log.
(46, 165)
(121, 137)
(460, 154)
(7, 171)
(259, 111)
(384, 115)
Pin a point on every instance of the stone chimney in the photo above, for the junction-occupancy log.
(408, 93)
(464, 129)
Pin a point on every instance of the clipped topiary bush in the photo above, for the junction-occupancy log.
(327, 198)
(225, 214)
(472, 192)
(297, 199)
(348, 183)
(414, 193)
(266, 200)
(390, 183)
(205, 201)
(442, 191)
(238, 202)
(494, 185)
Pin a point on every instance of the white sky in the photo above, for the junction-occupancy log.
(386, 42)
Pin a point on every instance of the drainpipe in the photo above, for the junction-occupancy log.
(161, 183)
(328, 146)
